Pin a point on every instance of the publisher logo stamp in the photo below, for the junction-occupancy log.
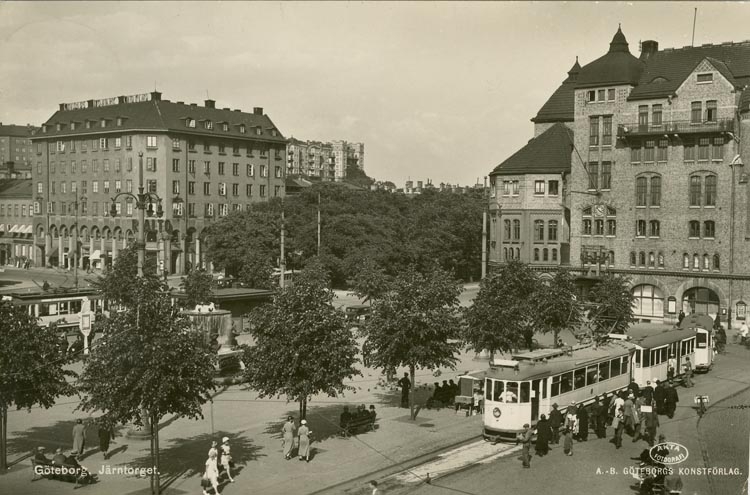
(669, 453)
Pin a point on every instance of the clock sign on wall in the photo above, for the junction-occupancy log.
(599, 210)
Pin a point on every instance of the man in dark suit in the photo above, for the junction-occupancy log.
(405, 385)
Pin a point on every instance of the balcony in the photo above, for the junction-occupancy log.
(675, 127)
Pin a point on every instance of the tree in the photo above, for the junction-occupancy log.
(415, 324)
(31, 367)
(370, 281)
(256, 270)
(302, 344)
(501, 318)
(612, 307)
(118, 284)
(556, 305)
(150, 358)
(197, 286)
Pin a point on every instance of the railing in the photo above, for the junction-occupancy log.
(676, 127)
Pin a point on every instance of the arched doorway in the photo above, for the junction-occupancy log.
(701, 301)
(648, 303)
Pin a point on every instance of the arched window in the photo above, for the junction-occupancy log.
(516, 230)
(611, 227)
(510, 253)
(642, 258)
(651, 259)
(518, 253)
(700, 300)
(696, 261)
(717, 265)
(586, 226)
(661, 259)
(545, 254)
(706, 262)
(711, 190)
(709, 229)
(505, 253)
(554, 254)
(536, 254)
(538, 230)
(653, 228)
(506, 230)
(552, 230)
(640, 228)
(694, 229)
(685, 260)
(611, 258)
(648, 301)
(632, 258)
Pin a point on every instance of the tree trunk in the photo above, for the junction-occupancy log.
(304, 408)
(153, 488)
(3, 438)
(556, 336)
(412, 373)
(155, 428)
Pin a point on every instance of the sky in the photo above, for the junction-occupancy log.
(435, 90)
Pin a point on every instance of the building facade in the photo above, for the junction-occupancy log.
(16, 152)
(658, 189)
(202, 161)
(16, 222)
(327, 161)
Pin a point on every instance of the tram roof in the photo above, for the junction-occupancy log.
(697, 321)
(52, 293)
(650, 335)
(528, 370)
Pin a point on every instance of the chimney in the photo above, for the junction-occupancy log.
(648, 48)
(258, 110)
(62, 106)
(210, 103)
(180, 102)
(155, 96)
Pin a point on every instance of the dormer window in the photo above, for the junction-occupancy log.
(119, 121)
(103, 122)
(88, 124)
(225, 127)
(242, 129)
(58, 127)
(208, 124)
(190, 123)
(259, 130)
(44, 129)
(705, 78)
(273, 132)
(72, 126)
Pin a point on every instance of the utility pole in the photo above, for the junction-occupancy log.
(484, 231)
(282, 262)
(318, 224)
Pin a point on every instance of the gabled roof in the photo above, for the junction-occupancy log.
(666, 69)
(17, 130)
(617, 66)
(161, 115)
(548, 153)
(559, 107)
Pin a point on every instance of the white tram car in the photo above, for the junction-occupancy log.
(704, 340)
(519, 390)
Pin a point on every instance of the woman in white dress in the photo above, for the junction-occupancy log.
(304, 441)
(212, 473)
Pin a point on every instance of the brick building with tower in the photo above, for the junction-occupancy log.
(657, 188)
(202, 161)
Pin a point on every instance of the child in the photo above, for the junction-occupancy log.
(567, 441)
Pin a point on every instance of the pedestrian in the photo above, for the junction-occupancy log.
(648, 392)
(374, 485)
(671, 367)
(672, 482)
(303, 433)
(616, 403)
(639, 420)
(618, 423)
(671, 398)
(721, 339)
(543, 436)
(596, 416)
(288, 433)
(567, 441)
(211, 474)
(633, 388)
(651, 422)
(79, 437)
(571, 418)
(744, 332)
(688, 373)
(555, 422)
(583, 424)
(226, 458)
(628, 414)
(405, 385)
(477, 401)
(106, 434)
(525, 439)
(680, 317)
(659, 395)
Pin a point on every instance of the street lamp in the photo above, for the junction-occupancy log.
(77, 250)
(144, 203)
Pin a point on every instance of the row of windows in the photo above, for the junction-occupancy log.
(694, 229)
(654, 228)
(225, 126)
(598, 227)
(600, 126)
(222, 189)
(588, 375)
(107, 143)
(600, 175)
(656, 260)
(702, 149)
(222, 148)
(702, 190)
(545, 254)
(511, 253)
(600, 95)
(594, 256)
(17, 210)
(512, 230)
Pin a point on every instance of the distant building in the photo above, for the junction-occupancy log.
(16, 151)
(327, 161)
(16, 222)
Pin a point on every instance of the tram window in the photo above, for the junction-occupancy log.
(566, 382)
(604, 371)
(580, 378)
(592, 375)
(525, 394)
(44, 310)
(52, 309)
(614, 367)
(488, 389)
(663, 352)
(701, 340)
(499, 388)
(555, 386)
(655, 357)
(646, 358)
(637, 358)
(624, 364)
(511, 392)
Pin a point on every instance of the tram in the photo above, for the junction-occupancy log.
(518, 390)
(704, 340)
(63, 307)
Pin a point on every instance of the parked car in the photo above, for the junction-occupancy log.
(358, 312)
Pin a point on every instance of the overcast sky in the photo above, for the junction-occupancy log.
(435, 90)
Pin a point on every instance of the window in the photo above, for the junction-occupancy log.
(151, 141)
(593, 175)
(689, 150)
(106, 186)
(694, 227)
(695, 190)
(236, 148)
(516, 230)
(177, 209)
(554, 254)
(209, 210)
(696, 109)
(514, 185)
(206, 147)
(703, 149)
(263, 171)
(648, 151)
(207, 188)
(249, 190)
(594, 131)
(63, 188)
(709, 229)
(175, 187)
(591, 96)
(635, 153)
(643, 117)
(191, 166)
(190, 123)
(655, 191)
(706, 262)
(545, 254)
(243, 129)
(599, 227)
(191, 187)
(606, 175)
(553, 188)
(175, 143)
(191, 145)
(685, 260)
(118, 186)
(262, 191)
(536, 254)
(151, 164)
(552, 230)
(94, 186)
(130, 164)
(250, 170)
(39, 187)
(653, 228)
(656, 115)
(717, 149)
(640, 228)
(611, 94)
(711, 111)
(611, 227)
(696, 261)
(711, 190)
(538, 186)
(223, 210)
(276, 190)
(208, 124)
(277, 174)
(129, 185)
(607, 131)
(175, 164)
(661, 151)
(705, 78)
(104, 143)
(586, 226)
(206, 167)
(222, 189)
(235, 189)
(236, 169)
(716, 262)
(151, 186)
(191, 209)
(128, 141)
(640, 191)
(538, 230)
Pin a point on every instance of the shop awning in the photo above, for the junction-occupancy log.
(97, 255)
(14, 229)
(2, 227)
(27, 229)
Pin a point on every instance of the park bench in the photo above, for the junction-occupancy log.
(358, 422)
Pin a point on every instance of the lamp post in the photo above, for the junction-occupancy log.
(79, 200)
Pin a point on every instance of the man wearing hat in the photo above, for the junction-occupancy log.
(525, 439)
(59, 458)
(555, 422)
(39, 457)
(647, 392)
(659, 396)
(226, 458)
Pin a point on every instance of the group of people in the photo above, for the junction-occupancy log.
(292, 435)
(360, 416)
(444, 395)
(219, 461)
(82, 475)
